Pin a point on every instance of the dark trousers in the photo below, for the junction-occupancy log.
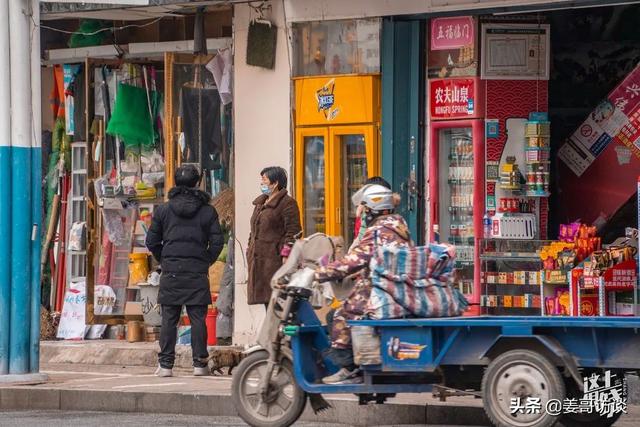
(169, 334)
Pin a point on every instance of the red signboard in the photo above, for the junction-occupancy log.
(454, 99)
(452, 33)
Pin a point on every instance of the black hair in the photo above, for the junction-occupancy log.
(276, 174)
(379, 181)
(187, 176)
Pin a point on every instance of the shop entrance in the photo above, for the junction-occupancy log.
(557, 94)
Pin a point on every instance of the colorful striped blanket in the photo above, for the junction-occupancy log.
(414, 282)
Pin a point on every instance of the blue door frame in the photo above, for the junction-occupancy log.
(403, 80)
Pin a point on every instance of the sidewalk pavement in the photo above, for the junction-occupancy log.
(135, 389)
(117, 376)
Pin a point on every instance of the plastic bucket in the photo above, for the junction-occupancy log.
(138, 268)
(212, 314)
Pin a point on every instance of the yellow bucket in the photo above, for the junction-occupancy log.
(138, 268)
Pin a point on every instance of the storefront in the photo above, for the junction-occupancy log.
(130, 107)
(479, 137)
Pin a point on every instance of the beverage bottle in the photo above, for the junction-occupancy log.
(486, 222)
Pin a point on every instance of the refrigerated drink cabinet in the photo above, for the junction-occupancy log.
(336, 149)
(457, 176)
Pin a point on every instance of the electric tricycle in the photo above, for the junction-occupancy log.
(505, 360)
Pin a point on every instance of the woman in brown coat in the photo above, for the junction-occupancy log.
(275, 222)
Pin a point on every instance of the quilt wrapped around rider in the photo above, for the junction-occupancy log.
(414, 282)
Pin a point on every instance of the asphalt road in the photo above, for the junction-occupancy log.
(115, 419)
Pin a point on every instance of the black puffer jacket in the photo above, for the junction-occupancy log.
(185, 237)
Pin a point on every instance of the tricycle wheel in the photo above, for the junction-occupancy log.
(585, 419)
(521, 374)
(284, 401)
(591, 420)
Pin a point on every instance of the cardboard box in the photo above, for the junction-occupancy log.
(132, 308)
(510, 278)
(502, 278)
(537, 300)
(589, 305)
(528, 300)
(520, 277)
(508, 301)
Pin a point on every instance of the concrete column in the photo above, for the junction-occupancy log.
(262, 137)
(21, 135)
(5, 188)
(36, 184)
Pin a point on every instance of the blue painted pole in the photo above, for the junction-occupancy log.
(5, 189)
(21, 135)
(36, 188)
(36, 215)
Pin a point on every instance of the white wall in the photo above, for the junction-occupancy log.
(262, 137)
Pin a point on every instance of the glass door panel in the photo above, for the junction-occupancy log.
(314, 185)
(456, 191)
(354, 175)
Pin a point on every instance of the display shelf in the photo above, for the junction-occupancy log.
(538, 194)
(621, 278)
(515, 256)
(511, 276)
(537, 148)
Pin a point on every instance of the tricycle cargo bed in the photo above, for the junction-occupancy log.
(603, 342)
(509, 321)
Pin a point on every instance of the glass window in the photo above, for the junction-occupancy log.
(314, 204)
(336, 47)
(354, 172)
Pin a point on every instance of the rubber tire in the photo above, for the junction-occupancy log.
(582, 420)
(556, 384)
(296, 408)
(591, 420)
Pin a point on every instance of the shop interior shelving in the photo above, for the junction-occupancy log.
(77, 259)
(511, 275)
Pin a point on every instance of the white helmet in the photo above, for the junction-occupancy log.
(375, 197)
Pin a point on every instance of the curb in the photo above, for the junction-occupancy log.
(20, 398)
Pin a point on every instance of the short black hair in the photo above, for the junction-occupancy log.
(379, 181)
(275, 174)
(187, 176)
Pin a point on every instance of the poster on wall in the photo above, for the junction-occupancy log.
(615, 119)
(515, 51)
(453, 50)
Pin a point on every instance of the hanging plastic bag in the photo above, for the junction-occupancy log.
(152, 168)
(114, 226)
(77, 236)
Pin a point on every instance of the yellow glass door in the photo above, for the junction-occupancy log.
(356, 158)
(312, 178)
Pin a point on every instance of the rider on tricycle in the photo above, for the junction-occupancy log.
(392, 279)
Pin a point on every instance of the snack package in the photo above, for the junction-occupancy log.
(549, 264)
(563, 301)
(549, 305)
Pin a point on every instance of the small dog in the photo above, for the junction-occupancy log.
(228, 358)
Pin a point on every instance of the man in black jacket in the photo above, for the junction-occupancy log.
(185, 237)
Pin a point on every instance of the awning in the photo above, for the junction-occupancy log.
(315, 10)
